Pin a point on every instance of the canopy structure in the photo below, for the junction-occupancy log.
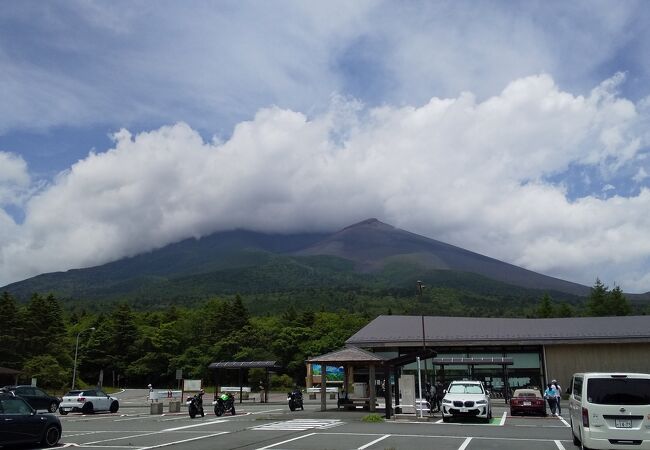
(245, 365)
(269, 366)
(354, 357)
(7, 374)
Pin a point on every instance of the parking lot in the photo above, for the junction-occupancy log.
(273, 426)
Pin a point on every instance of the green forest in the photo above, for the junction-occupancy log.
(135, 344)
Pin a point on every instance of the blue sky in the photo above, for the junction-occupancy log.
(515, 129)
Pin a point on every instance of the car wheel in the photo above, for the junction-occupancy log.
(87, 408)
(582, 444)
(51, 436)
(576, 441)
(53, 407)
(114, 406)
(445, 418)
(63, 413)
(489, 415)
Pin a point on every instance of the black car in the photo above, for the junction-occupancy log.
(21, 424)
(36, 397)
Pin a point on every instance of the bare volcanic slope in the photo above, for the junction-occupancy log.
(372, 245)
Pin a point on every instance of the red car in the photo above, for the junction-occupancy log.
(527, 401)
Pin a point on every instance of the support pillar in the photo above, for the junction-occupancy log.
(388, 393)
(323, 390)
(372, 387)
(240, 387)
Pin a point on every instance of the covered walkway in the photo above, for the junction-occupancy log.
(269, 366)
(357, 357)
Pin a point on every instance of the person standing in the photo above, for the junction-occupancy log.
(550, 396)
(440, 393)
(558, 396)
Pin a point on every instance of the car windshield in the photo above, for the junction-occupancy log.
(619, 391)
(13, 405)
(72, 394)
(465, 389)
(528, 394)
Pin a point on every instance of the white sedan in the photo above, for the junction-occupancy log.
(88, 401)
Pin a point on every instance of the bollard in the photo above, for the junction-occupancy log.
(174, 406)
(156, 408)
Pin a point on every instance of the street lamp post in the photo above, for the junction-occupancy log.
(76, 351)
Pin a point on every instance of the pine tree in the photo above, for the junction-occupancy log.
(617, 304)
(545, 308)
(11, 330)
(597, 304)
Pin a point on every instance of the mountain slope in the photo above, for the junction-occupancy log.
(372, 245)
(370, 255)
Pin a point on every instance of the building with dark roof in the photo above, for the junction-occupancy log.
(534, 350)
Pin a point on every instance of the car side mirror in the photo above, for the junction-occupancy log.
(444, 391)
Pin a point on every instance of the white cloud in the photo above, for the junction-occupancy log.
(14, 178)
(212, 65)
(468, 172)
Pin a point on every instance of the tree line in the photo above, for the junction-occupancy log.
(601, 302)
(133, 347)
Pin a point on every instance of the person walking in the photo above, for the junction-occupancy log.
(558, 396)
(550, 396)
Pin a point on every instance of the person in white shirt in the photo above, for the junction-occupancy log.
(558, 396)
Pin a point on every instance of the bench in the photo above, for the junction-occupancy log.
(353, 402)
(332, 391)
(234, 390)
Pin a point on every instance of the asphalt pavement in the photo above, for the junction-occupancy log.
(273, 426)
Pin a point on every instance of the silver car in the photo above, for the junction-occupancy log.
(466, 399)
(88, 401)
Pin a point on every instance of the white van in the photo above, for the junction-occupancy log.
(610, 410)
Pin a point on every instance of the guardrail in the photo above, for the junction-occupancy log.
(245, 391)
(169, 394)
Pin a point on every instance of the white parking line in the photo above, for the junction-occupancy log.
(284, 442)
(373, 442)
(195, 425)
(465, 444)
(167, 444)
(564, 421)
(503, 419)
(121, 438)
(559, 445)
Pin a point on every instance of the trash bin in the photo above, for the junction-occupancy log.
(156, 408)
(174, 406)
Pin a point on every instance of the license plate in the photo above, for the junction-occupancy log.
(623, 423)
(526, 403)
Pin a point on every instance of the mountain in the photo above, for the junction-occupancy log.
(373, 245)
(369, 255)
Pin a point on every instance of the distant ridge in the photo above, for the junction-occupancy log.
(372, 244)
(369, 253)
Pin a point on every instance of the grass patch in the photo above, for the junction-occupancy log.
(372, 418)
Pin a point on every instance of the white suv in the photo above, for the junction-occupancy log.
(610, 410)
(466, 399)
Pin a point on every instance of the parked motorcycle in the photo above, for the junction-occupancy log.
(195, 405)
(295, 400)
(225, 402)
